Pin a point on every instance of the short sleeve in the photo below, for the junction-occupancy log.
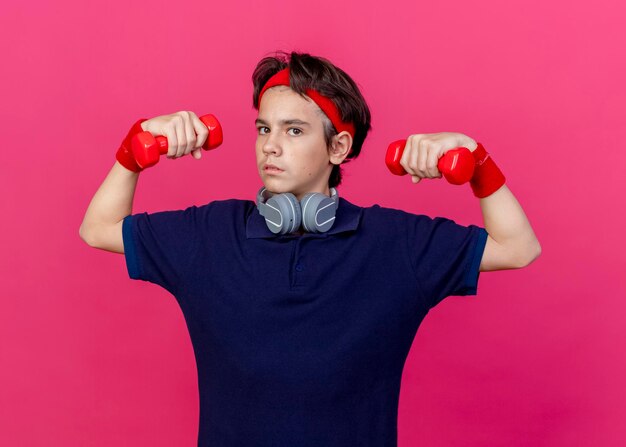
(160, 247)
(445, 255)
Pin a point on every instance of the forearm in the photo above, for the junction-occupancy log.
(113, 200)
(506, 223)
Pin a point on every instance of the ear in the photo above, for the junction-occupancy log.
(341, 145)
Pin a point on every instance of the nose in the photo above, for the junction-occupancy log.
(271, 145)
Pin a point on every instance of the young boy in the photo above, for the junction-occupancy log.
(302, 307)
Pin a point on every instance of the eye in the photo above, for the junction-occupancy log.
(259, 129)
(295, 128)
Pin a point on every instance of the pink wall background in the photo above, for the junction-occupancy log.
(89, 357)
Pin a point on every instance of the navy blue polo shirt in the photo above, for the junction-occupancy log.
(300, 340)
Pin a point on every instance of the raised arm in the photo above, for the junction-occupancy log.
(113, 201)
(102, 224)
(511, 242)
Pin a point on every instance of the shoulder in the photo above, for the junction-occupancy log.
(413, 224)
(384, 215)
(226, 203)
(383, 224)
(225, 216)
(214, 211)
(226, 207)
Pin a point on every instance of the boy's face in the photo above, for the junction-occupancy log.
(297, 148)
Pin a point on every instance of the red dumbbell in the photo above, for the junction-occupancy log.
(456, 165)
(147, 149)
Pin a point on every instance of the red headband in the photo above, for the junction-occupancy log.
(324, 103)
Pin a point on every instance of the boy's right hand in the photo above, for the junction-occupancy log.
(184, 131)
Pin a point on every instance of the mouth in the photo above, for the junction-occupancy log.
(271, 169)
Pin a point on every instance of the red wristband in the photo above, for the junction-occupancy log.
(487, 177)
(124, 154)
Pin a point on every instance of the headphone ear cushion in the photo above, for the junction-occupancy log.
(318, 212)
(288, 208)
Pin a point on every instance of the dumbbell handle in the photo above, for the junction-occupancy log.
(456, 165)
(147, 148)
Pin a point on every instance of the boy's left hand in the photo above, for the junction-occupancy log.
(423, 151)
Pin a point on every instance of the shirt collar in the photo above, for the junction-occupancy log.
(347, 218)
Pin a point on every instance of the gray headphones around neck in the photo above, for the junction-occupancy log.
(284, 214)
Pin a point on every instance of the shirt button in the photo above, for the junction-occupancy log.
(299, 267)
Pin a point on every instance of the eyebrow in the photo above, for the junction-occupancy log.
(284, 122)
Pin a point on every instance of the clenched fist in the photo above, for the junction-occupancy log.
(423, 151)
(184, 131)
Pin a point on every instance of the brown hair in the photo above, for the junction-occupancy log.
(320, 74)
